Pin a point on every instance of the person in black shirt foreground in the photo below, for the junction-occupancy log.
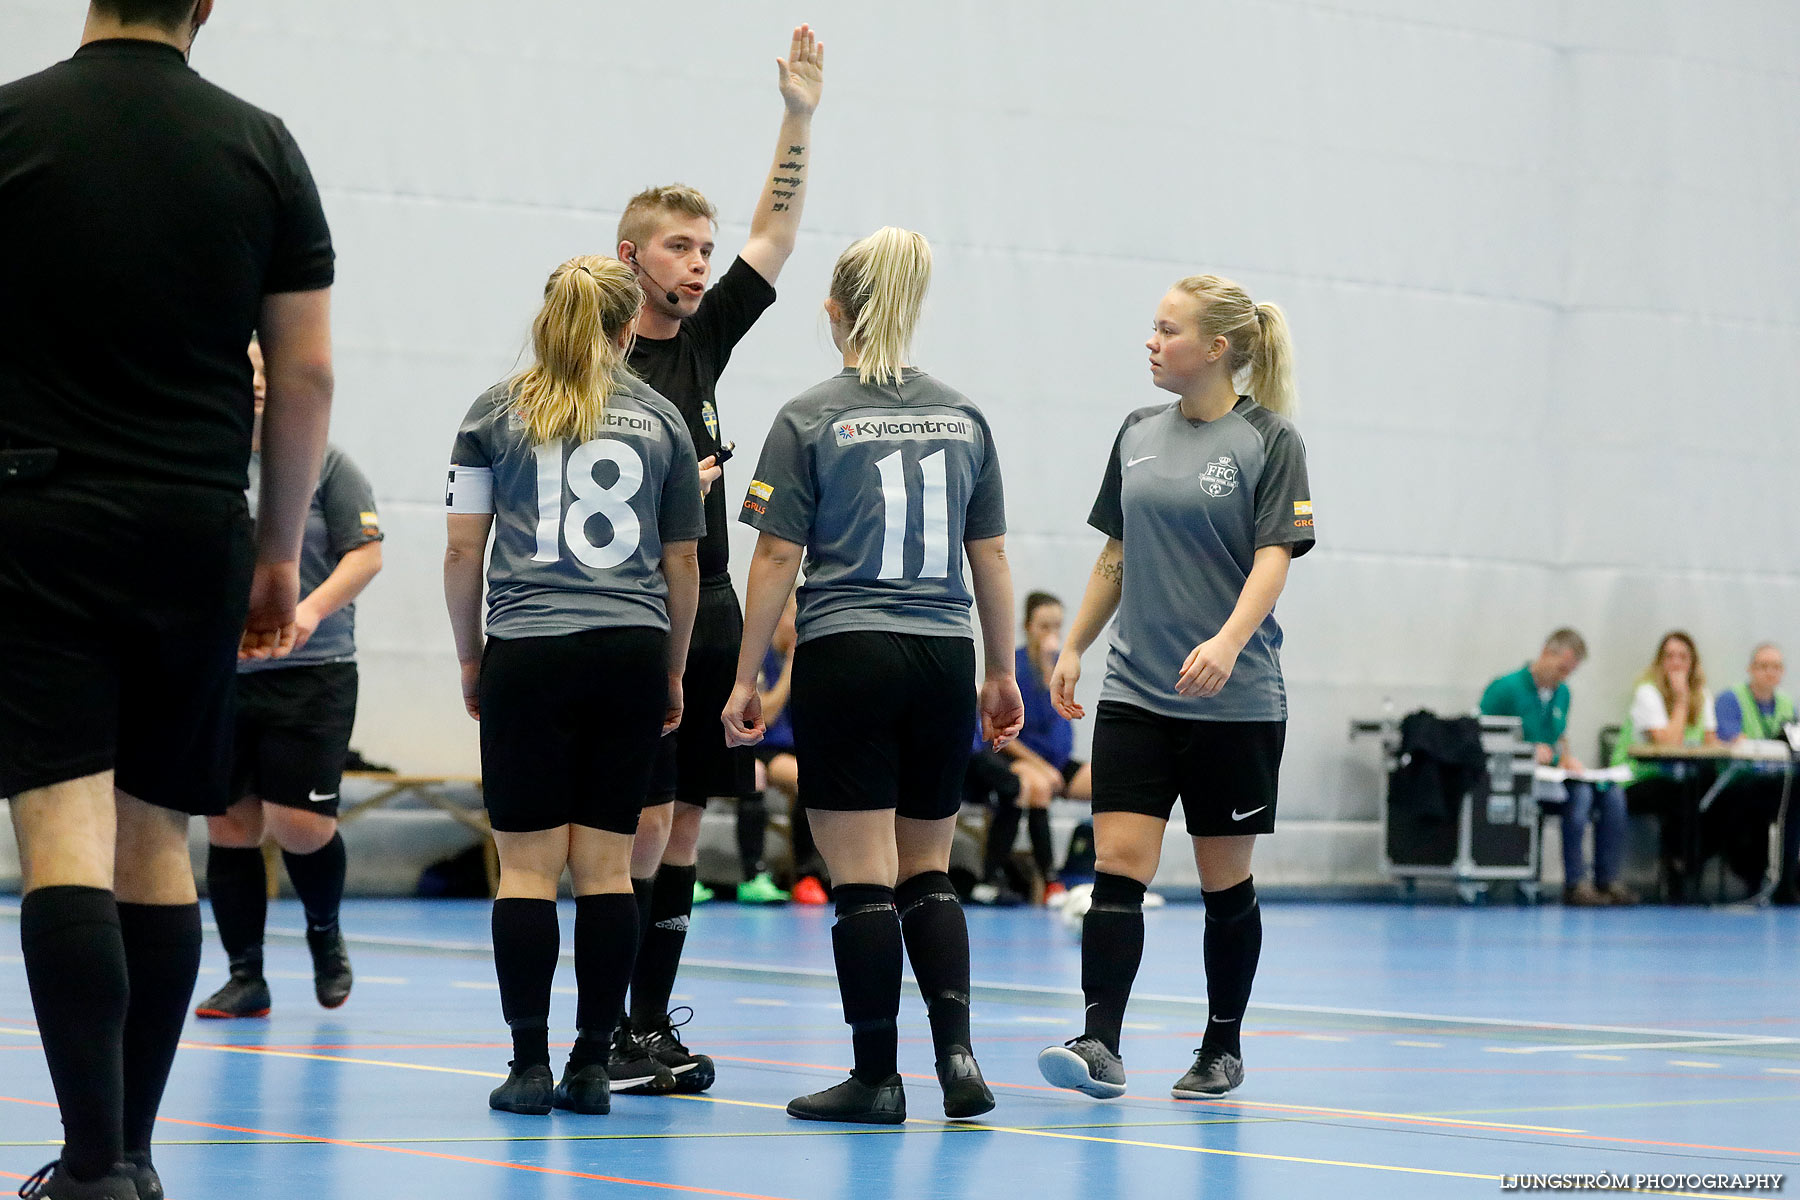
(155, 223)
(685, 336)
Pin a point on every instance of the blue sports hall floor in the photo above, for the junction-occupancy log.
(1391, 1052)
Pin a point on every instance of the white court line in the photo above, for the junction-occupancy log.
(1605, 1057)
(762, 1002)
(1684, 1062)
(1741, 1040)
(822, 974)
(1422, 1045)
(1782, 1070)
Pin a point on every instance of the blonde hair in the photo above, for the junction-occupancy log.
(588, 302)
(1258, 335)
(1659, 679)
(879, 284)
(644, 211)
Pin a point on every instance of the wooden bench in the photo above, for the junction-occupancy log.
(430, 789)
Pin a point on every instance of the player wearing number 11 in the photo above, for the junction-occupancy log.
(883, 477)
(587, 480)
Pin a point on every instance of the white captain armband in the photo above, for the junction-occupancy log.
(470, 490)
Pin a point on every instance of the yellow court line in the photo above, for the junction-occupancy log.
(1024, 1132)
(1081, 1137)
(362, 1062)
(1429, 1118)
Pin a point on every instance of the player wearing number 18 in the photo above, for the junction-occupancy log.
(883, 477)
(588, 482)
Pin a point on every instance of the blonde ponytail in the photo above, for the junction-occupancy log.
(1258, 336)
(588, 302)
(879, 284)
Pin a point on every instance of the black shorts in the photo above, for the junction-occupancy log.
(293, 733)
(121, 606)
(1070, 770)
(694, 763)
(1225, 772)
(765, 753)
(569, 727)
(989, 780)
(884, 720)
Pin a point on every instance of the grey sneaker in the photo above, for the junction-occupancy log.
(1214, 1073)
(1086, 1065)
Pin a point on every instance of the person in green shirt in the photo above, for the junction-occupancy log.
(1538, 694)
(1759, 710)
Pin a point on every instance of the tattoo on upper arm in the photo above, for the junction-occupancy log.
(1111, 568)
(796, 149)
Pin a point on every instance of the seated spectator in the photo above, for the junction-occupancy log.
(776, 766)
(1760, 711)
(1041, 756)
(1671, 707)
(1538, 694)
(987, 781)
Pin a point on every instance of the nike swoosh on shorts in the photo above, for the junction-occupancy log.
(1238, 816)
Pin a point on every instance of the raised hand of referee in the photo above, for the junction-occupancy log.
(802, 72)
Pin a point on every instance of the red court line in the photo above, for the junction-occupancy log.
(457, 1158)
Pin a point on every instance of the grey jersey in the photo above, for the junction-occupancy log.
(341, 517)
(1193, 501)
(882, 483)
(579, 529)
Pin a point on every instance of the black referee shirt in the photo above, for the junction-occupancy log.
(144, 214)
(686, 370)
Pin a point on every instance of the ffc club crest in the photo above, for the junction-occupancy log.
(1220, 478)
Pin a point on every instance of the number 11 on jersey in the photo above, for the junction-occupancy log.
(935, 517)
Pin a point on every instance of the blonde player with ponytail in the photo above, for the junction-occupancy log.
(587, 481)
(1204, 504)
(883, 478)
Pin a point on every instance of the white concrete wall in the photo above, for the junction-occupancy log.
(1539, 259)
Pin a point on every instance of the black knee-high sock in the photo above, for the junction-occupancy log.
(642, 891)
(1003, 831)
(606, 943)
(75, 966)
(1232, 945)
(526, 944)
(319, 881)
(238, 887)
(865, 942)
(162, 960)
(937, 942)
(806, 851)
(659, 957)
(1112, 945)
(1037, 825)
(752, 828)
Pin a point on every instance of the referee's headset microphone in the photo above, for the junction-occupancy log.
(669, 294)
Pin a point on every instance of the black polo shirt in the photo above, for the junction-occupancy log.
(686, 370)
(144, 215)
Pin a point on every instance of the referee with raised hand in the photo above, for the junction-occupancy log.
(155, 222)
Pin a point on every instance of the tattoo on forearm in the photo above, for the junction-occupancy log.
(1111, 569)
(790, 183)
